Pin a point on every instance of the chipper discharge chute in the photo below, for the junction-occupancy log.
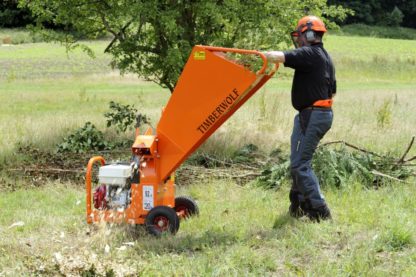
(210, 89)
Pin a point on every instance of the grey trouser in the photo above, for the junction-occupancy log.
(308, 129)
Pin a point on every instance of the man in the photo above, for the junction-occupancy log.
(313, 87)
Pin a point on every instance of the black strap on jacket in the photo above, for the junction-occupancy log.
(330, 75)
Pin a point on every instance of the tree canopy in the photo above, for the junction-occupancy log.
(153, 38)
(380, 12)
(12, 16)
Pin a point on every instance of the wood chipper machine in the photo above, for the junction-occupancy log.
(211, 88)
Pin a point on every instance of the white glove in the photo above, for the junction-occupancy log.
(275, 56)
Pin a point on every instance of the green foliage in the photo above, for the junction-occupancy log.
(12, 16)
(276, 171)
(246, 154)
(154, 38)
(380, 12)
(339, 168)
(378, 31)
(274, 176)
(84, 139)
(89, 138)
(121, 116)
(395, 18)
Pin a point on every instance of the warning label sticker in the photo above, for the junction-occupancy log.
(148, 198)
(199, 55)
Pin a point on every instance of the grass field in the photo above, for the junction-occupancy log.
(372, 73)
(240, 231)
(45, 93)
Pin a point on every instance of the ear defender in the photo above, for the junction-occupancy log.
(310, 34)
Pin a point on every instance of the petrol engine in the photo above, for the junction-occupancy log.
(114, 191)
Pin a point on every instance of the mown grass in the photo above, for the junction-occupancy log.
(48, 60)
(46, 93)
(240, 231)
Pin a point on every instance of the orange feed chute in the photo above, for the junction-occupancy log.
(210, 89)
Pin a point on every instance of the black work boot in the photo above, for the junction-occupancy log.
(319, 213)
(295, 208)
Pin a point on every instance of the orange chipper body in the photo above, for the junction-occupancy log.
(210, 89)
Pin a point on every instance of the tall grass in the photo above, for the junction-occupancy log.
(46, 93)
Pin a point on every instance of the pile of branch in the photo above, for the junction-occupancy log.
(256, 165)
(401, 162)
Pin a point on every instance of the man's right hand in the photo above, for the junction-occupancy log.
(275, 56)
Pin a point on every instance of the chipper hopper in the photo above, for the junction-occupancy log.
(210, 89)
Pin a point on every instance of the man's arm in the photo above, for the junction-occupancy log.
(275, 56)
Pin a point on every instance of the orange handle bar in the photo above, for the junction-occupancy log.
(244, 51)
(88, 179)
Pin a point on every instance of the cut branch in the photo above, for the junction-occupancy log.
(411, 159)
(350, 145)
(377, 173)
(401, 160)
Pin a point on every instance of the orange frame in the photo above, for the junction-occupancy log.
(210, 89)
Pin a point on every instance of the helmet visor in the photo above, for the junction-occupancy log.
(295, 36)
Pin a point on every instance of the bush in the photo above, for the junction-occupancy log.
(89, 138)
(84, 139)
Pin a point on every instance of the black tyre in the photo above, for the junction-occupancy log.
(186, 206)
(161, 220)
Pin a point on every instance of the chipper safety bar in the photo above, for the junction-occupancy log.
(210, 89)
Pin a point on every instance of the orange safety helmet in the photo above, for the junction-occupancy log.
(309, 24)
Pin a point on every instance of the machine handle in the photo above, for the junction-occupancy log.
(88, 179)
(244, 51)
(273, 71)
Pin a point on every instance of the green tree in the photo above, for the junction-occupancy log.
(380, 12)
(153, 38)
(395, 18)
(12, 16)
